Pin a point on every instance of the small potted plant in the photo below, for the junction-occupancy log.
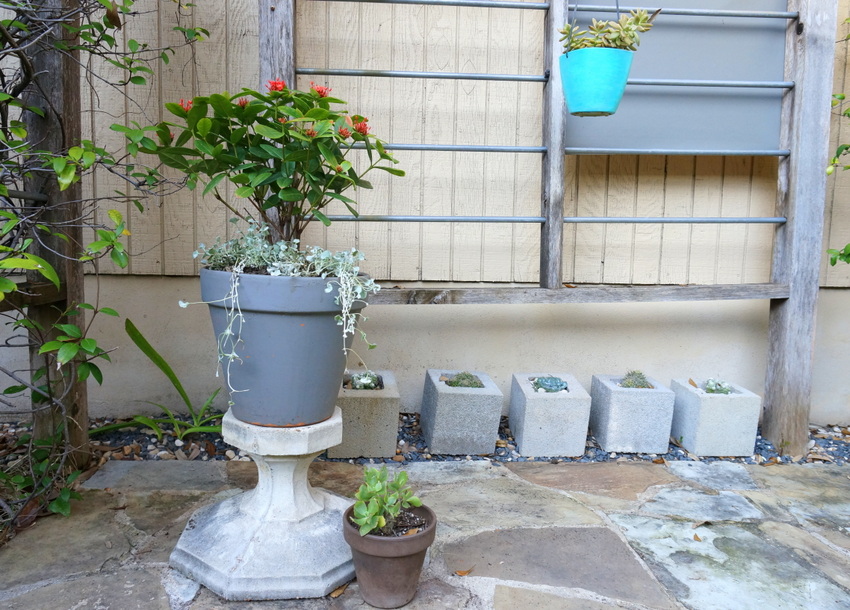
(389, 531)
(370, 404)
(549, 414)
(631, 413)
(460, 413)
(276, 306)
(596, 62)
(715, 418)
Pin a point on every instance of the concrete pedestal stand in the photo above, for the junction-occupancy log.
(281, 540)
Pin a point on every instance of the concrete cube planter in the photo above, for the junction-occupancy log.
(715, 424)
(549, 423)
(630, 420)
(369, 420)
(460, 421)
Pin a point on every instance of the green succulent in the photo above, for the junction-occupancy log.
(367, 380)
(716, 386)
(635, 379)
(549, 384)
(464, 380)
(621, 34)
(380, 501)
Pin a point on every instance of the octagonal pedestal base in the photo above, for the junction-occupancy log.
(281, 540)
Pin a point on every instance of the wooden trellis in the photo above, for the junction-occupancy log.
(793, 288)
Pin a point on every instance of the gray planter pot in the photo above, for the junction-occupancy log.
(549, 424)
(369, 420)
(630, 420)
(715, 424)
(291, 357)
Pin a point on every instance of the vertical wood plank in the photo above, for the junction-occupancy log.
(797, 252)
(708, 201)
(439, 168)
(408, 52)
(737, 180)
(277, 40)
(591, 197)
(554, 132)
(619, 238)
(646, 258)
(678, 202)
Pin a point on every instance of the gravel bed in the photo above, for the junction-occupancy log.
(829, 444)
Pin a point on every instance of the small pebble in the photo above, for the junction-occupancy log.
(178, 443)
(231, 454)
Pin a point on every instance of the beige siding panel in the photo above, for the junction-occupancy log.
(619, 238)
(649, 202)
(592, 193)
(737, 182)
(211, 214)
(708, 192)
(570, 236)
(179, 81)
(408, 52)
(678, 202)
(110, 107)
(439, 168)
(759, 237)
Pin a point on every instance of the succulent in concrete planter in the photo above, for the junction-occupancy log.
(370, 404)
(549, 414)
(464, 379)
(631, 413)
(715, 418)
(389, 531)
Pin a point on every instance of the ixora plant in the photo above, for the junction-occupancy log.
(389, 531)
(596, 62)
(276, 306)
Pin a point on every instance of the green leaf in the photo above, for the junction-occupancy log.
(67, 352)
(391, 170)
(150, 423)
(108, 311)
(156, 358)
(71, 330)
(213, 183)
(268, 132)
(244, 191)
(203, 127)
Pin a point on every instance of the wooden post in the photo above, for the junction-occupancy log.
(58, 94)
(554, 129)
(277, 42)
(798, 248)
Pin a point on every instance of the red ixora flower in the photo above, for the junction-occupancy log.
(186, 104)
(242, 102)
(310, 133)
(344, 132)
(276, 85)
(362, 128)
(320, 90)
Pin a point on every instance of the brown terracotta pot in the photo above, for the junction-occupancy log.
(388, 568)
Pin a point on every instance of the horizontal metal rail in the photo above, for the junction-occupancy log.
(27, 196)
(753, 84)
(461, 148)
(688, 12)
(670, 151)
(540, 6)
(536, 78)
(520, 78)
(567, 219)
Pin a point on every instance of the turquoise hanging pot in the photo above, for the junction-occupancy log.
(594, 79)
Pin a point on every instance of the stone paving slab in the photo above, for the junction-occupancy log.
(720, 476)
(623, 480)
(791, 551)
(514, 598)
(591, 558)
(729, 566)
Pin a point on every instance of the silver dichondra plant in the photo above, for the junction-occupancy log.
(716, 386)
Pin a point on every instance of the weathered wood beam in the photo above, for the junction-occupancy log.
(578, 294)
(554, 130)
(277, 42)
(31, 295)
(798, 248)
(57, 92)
